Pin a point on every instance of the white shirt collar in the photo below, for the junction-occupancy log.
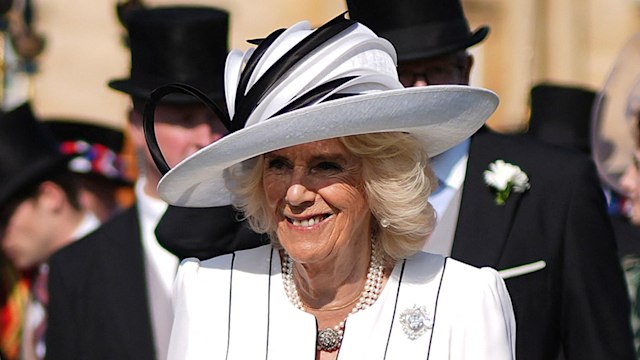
(150, 211)
(150, 208)
(89, 223)
(160, 267)
(451, 165)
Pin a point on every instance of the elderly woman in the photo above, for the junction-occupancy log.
(328, 155)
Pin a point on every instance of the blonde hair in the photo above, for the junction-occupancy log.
(397, 182)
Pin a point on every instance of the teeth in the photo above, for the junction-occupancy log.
(307, 222)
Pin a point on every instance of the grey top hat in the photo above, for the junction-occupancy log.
(418, 29)
(176, 45)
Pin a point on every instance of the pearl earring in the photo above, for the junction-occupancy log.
(384, 223)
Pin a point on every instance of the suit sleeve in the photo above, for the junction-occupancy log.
(61, 324)
(595, 305)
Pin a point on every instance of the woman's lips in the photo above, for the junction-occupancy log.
(307, 222)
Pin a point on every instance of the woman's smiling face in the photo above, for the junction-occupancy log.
(316, 194)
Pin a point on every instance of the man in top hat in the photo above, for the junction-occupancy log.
(547, 233)
(123, 275)
(39, 212)
(97, 163)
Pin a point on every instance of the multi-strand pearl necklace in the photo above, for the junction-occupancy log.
(330, 339)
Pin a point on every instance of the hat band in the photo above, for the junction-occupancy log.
(93, 158)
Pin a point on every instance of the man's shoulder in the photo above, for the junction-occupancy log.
(111, 234)
(526, 151)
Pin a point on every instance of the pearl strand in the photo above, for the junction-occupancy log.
(330, 339)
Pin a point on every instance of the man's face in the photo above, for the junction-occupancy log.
(26, 231)
(180, 130)
(450, 69)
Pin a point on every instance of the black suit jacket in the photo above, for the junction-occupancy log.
(627, 235)
(98, 306)
(578, 304)
(98, 297)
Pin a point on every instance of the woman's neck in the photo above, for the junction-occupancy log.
(352, 284)
(330, 285)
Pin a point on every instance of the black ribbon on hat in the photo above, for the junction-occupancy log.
(149, 113)
(245, 104)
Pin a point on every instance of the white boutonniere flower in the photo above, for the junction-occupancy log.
(503, 178)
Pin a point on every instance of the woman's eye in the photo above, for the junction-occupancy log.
(328, 166)
(277, 164)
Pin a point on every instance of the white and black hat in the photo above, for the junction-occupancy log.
(302, 85)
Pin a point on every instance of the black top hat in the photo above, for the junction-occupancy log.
(176, 44)
(562, 115)
(418, 29)
(28, 153)
(94, 149)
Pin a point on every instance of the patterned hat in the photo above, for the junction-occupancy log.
(93, 149)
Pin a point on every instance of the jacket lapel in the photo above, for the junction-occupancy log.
(483, 226)
(127, 288)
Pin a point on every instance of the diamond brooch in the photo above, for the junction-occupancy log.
(415, 321)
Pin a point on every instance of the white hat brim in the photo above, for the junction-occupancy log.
(438, 116)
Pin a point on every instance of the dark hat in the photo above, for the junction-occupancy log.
(205, 232)
(28, 153)
(562, 115)
(94, 149)
(418, 29)
(176, 44)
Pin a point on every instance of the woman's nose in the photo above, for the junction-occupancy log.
(298, 194)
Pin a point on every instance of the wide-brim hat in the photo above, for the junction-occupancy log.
(418, 29)
(94, 149)
(301, 86)
(28, 152)
(615, 117)
(186, 44)
(561, 115)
